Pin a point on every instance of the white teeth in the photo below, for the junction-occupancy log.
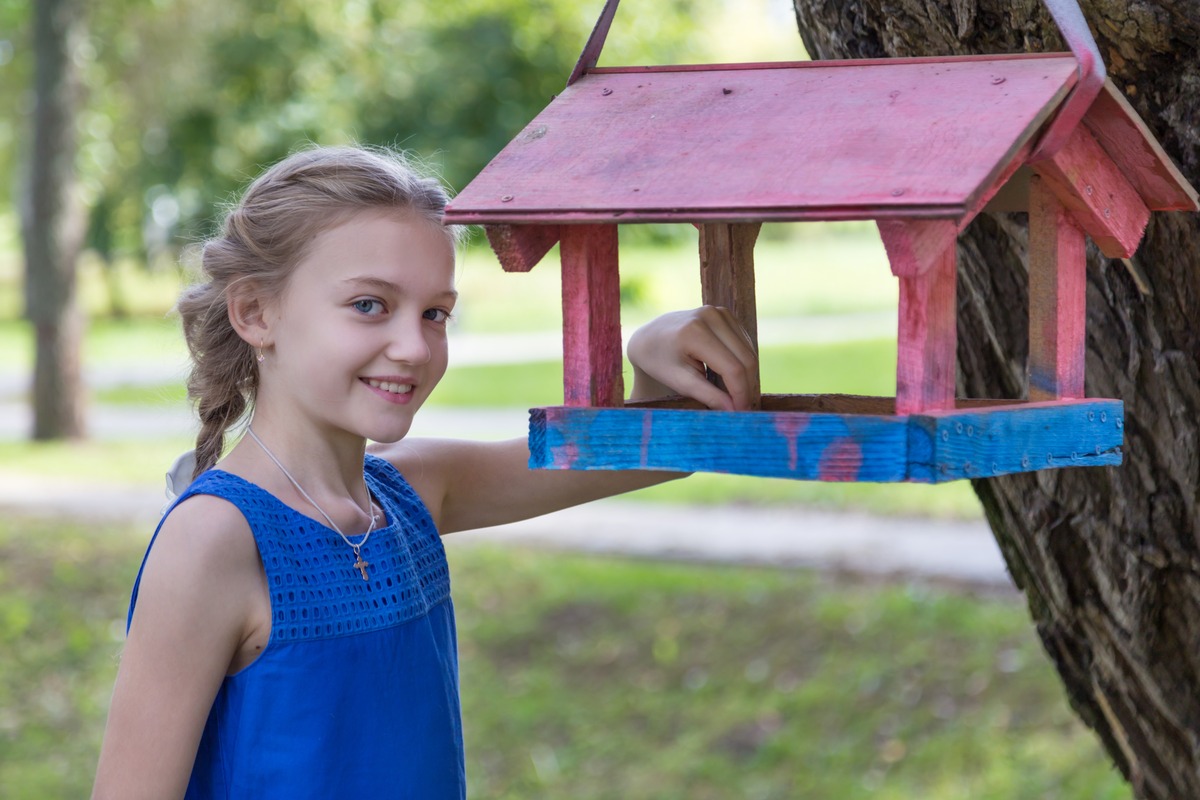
(394, 388)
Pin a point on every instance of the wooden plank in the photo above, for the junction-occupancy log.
(827, 403)
(595, 43)
(1078, 36)
(842, 62)
(520, 247)
(846, 213)
(1091, 186)
(1023, 438)
(826, 447)
(927, 448)
(591, 292)
(927, 334)
(727, 280)
(866, 141)
(1057, 298)
(1132, 146)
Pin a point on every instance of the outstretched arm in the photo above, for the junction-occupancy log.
(469, 485)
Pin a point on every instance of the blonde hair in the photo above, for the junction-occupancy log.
(262, 239)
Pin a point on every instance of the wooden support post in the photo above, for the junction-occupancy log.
(927, 336)
(727, 279)
(1057, 297)
(591, 290)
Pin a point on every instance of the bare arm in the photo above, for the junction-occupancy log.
(469, 485)
(190, 618)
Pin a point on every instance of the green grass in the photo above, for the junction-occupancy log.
(799, 270)
(598, 678)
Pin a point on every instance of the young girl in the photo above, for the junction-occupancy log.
(291, 633)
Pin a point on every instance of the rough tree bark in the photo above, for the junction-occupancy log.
(1108, 558)
(52, 223)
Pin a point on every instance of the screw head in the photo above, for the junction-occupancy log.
(996, 81)
(606, 92)
(506, 198)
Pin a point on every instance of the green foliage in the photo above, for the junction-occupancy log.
(187, 100)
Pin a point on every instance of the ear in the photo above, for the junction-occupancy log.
(251, 313)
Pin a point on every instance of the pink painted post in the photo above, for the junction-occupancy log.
(1057, 297)
(591, 290)
(927, 337)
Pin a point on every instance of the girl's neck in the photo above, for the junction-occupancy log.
(327, 466)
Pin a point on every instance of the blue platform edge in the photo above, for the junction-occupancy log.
(977, 442)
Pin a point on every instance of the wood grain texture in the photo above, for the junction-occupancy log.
(913, 246)
(1106, 558)
(1097, 194)
(1132, 146)
(923, 448)
(927, 335)
(591, 292)
(1074, 30)
(727, 280)
(986, 442)
(1057, 298)
(520, 248)
(825, 141)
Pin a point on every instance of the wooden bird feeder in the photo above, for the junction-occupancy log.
(921, 146)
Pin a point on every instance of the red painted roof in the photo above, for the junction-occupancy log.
(811, 140)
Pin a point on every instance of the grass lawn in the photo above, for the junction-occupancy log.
(600, 678)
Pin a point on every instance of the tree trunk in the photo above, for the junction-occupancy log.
(1108, 558)
(53, 223)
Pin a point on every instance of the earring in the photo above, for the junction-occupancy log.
(261, 358)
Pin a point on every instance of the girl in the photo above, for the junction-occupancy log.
(291, 633)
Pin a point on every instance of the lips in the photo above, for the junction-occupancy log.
(389, 386)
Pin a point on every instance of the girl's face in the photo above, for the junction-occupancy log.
(359, 334)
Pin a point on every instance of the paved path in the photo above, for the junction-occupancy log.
(959, 552)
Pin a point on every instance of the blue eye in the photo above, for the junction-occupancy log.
(439, 315)
(368, 306)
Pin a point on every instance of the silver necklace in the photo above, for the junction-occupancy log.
(360, 563)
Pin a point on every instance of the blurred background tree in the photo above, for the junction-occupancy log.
(184, 101)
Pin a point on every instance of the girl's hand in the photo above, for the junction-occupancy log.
(669, 356)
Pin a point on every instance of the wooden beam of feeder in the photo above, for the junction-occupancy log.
(591, 291)
(519, 248)
(927, 333)
(727, 279)
(1057, 297)
(1092, 187)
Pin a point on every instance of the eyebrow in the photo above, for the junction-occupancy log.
(379, 284)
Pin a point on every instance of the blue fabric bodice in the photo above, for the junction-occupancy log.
(356, 692)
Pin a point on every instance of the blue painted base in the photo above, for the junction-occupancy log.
(985, 439)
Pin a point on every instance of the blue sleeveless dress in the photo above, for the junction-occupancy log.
(356, 692)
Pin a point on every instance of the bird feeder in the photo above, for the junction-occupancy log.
(920, 146)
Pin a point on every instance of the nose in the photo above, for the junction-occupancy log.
(408, 343)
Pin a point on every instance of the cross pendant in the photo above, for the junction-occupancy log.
(361, 563)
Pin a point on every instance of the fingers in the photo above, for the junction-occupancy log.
(730, 354)
(670, 354)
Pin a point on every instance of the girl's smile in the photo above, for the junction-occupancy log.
(395, 390)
